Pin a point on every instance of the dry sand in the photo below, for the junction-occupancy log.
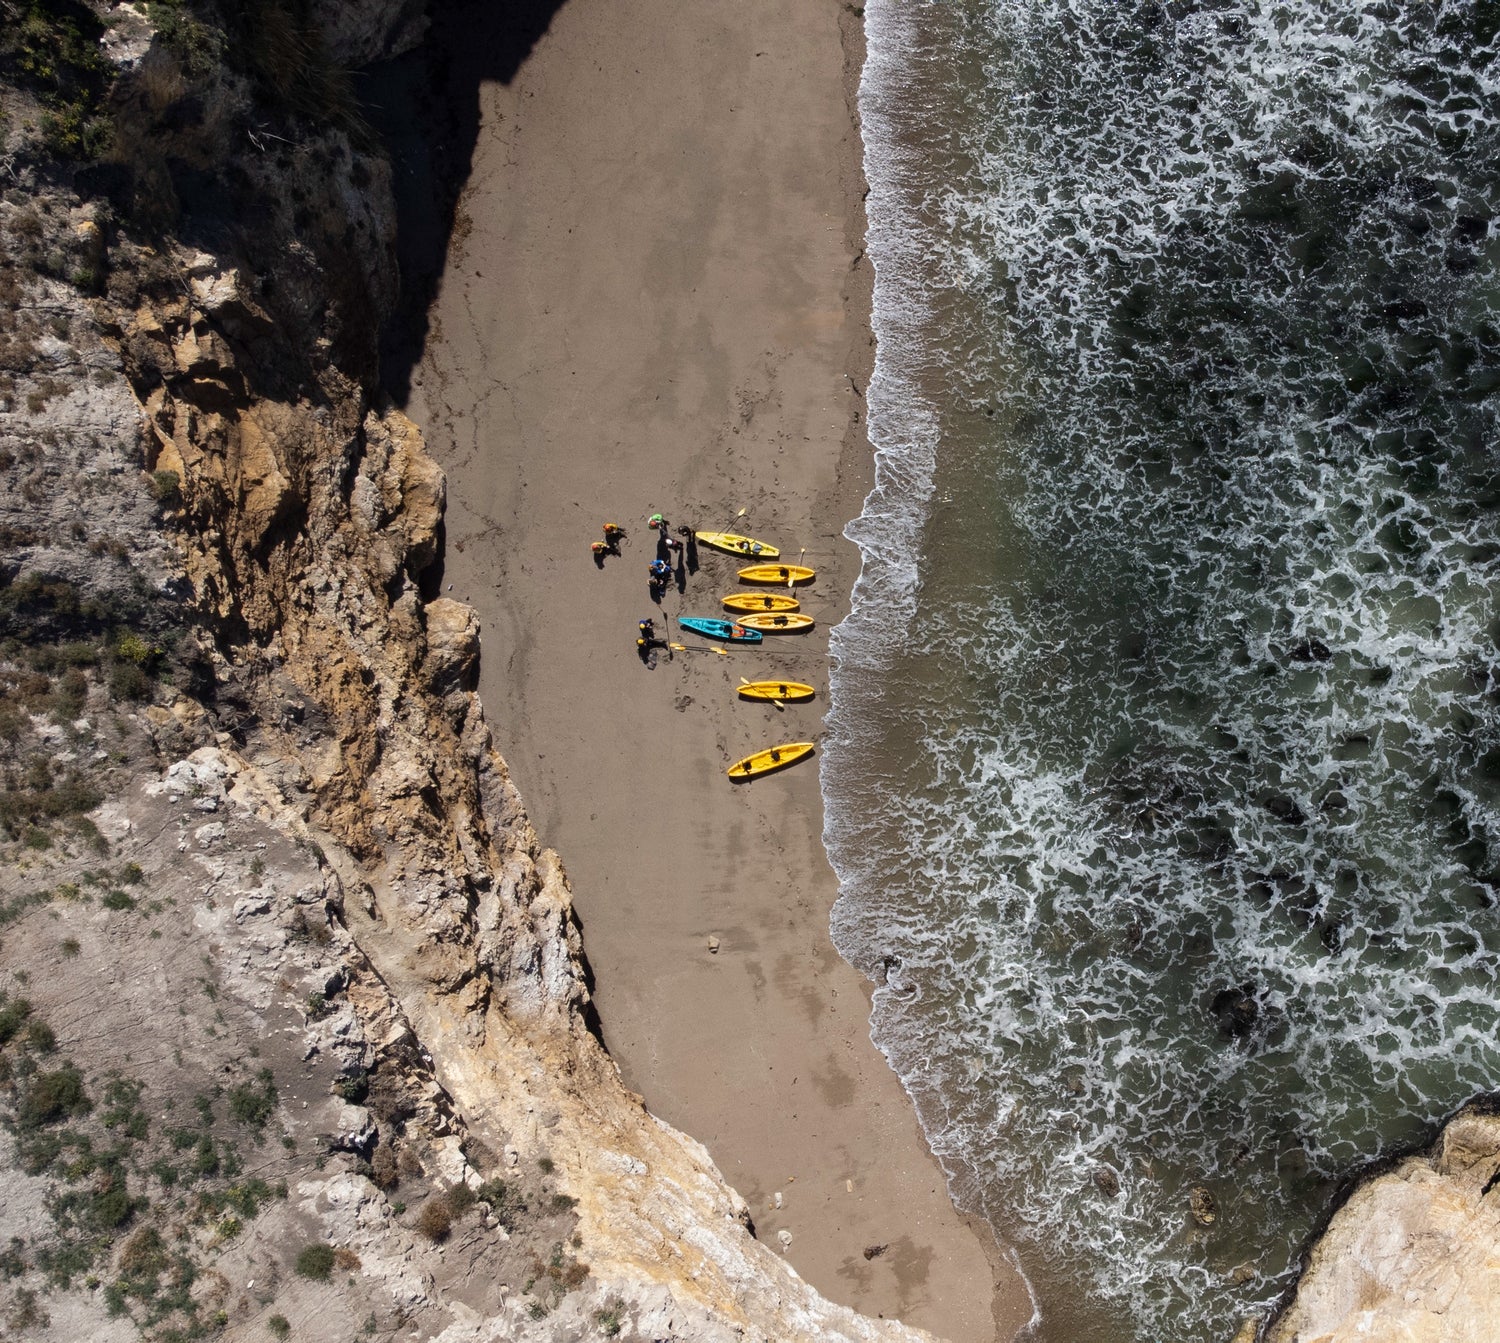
(655, 300)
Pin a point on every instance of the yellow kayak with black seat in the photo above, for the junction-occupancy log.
(770, 760)
(778, 622)
(745, 603)
(782, 575)
(788, 692)
(734, 544)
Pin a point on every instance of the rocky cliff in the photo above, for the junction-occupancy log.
(1411, 1255)
(295, 1035)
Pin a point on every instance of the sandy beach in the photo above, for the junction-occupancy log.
(656, 300)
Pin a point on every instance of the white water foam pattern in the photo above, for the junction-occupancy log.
(1229, 723)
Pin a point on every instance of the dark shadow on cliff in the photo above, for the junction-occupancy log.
(426, 107)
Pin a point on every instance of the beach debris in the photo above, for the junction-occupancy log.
(785, 1237)
(848, 1186)
(776, 1199)
(713, 945)
(1201, 1205)
(875, 1251)
(1106, 1181)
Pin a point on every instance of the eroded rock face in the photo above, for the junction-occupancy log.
(1411, 1255)
(361, 31)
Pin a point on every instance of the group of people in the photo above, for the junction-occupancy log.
(647, 642)
(660, 572)
(674, 559)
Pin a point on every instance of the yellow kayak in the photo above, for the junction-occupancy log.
(770, 760)
(781, 574)
(738, 545)
(778, 622)
(792, 691)
(743, 602)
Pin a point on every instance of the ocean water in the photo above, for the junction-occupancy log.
(1164, 759)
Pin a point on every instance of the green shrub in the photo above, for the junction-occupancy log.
(353, 1088)
(206, 1156)
(111, 1207)
(279, 1325)
(316, 1262)
(12, 1017)
(166, 488)
(117, 900)
(129, 682)
(51, 1097)
(132, 648)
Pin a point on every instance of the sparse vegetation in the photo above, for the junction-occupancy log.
(279, 1325)
(51, 48)
(253, 1103)
(611, 1317)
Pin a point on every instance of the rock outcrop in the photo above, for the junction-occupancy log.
(1411, 1255)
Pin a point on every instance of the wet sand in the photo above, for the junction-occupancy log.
(656, 300)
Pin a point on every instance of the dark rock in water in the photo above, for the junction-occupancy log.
(1236, 1010)
(1107, 1182)
(1285, 809)
(1311, 650)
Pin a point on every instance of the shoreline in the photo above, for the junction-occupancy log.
(749, 319)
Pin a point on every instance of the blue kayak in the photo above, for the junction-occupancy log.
(720, 629)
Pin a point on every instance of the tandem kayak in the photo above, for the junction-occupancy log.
(783, 575)
(719, 629)
(738, 545)
(760, 601)
(779, 622)
(786, 691)
(769, 760)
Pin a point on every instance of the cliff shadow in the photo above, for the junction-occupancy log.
(426, 107)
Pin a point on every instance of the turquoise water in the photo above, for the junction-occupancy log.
(1163, 767)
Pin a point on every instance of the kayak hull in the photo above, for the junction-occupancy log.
(778, 622)
(779, 574)
(727, 630)
(793, 692)
(747, 603)
(731, 543)
(770, 760)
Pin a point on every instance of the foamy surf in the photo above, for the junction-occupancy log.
(1164, 757)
